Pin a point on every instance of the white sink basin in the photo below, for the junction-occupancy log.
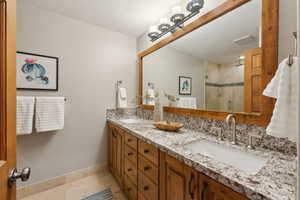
(245, 161)
(131, 121)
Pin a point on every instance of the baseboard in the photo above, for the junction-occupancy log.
(60, 180)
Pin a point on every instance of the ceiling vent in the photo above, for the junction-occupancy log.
(248, 39)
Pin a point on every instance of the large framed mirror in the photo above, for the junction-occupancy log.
(217, 65)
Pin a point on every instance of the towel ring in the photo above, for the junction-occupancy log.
(290, 61)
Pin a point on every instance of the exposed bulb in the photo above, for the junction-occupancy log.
(177, 14)
(194, 5)
(164, 24)
(153, 32)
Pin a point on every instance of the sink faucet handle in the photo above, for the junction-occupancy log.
(220, 134)
(251, 136)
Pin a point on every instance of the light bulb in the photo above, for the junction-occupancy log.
(153, 32)
(177, 14)
(164, 24)
(194, 5)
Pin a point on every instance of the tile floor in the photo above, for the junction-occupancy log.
(81, 188)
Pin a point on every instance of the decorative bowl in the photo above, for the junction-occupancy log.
(168, 126)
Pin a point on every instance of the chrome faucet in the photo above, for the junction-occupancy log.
(231, 123)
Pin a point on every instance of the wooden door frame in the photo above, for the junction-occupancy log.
(270, 29)
(8, 90)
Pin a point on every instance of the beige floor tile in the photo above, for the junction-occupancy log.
(81, 188)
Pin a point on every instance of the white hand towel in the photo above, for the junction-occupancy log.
(151, 97)
(284, 87)
(122, 98)
(50, 113)
(187, 102)
(123, 93)
(25, 111)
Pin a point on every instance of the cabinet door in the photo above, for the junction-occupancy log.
(110, 147)
(191, 177)
(209, 189)
(119, 155)
(116, 161)
(177, 182)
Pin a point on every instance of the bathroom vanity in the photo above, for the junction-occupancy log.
(146, 173)
(228, 66)
(150, 164)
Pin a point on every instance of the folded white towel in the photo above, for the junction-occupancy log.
(25, 111)
(150, 97)
(122, 98)
(123, 93)
(50, 113)
(284, 87)
(187, 102)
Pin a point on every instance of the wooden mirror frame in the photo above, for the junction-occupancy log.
(269, 46)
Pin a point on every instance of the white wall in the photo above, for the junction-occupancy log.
(164, 67)
(91, 60)
(287, 25)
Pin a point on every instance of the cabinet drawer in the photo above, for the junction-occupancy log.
(131, 171)
(131, 140)
(130, 189)
(148, 168)
(131, 155)
(149, 152)
(147, 188)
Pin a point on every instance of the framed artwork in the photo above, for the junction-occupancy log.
(185, 85)
(37, 72)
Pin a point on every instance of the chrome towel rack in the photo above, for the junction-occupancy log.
(290, 61)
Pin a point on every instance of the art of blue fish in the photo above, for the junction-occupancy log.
(185, 86)
(35, 71)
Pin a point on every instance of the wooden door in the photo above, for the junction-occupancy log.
(253, 86)
(7, 96)
(177, 182)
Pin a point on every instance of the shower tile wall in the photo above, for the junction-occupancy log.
(224, 89)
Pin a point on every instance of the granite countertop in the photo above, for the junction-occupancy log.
(277, 180)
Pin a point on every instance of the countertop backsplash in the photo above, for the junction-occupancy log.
(209, 126)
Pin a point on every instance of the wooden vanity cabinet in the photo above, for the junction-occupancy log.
(145, 173)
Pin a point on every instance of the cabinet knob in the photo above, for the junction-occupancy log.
(146, 168)
(130, 154)
(129, 140)
(130, 169)
(146, 151)
(146, 188)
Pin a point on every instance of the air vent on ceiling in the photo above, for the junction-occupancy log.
(248, 39)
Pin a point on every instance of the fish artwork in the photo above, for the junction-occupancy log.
(35, 71)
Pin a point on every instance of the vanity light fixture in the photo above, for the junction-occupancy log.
(177, 17)
(153, 33)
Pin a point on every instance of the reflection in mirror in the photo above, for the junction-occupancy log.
(216, 67)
